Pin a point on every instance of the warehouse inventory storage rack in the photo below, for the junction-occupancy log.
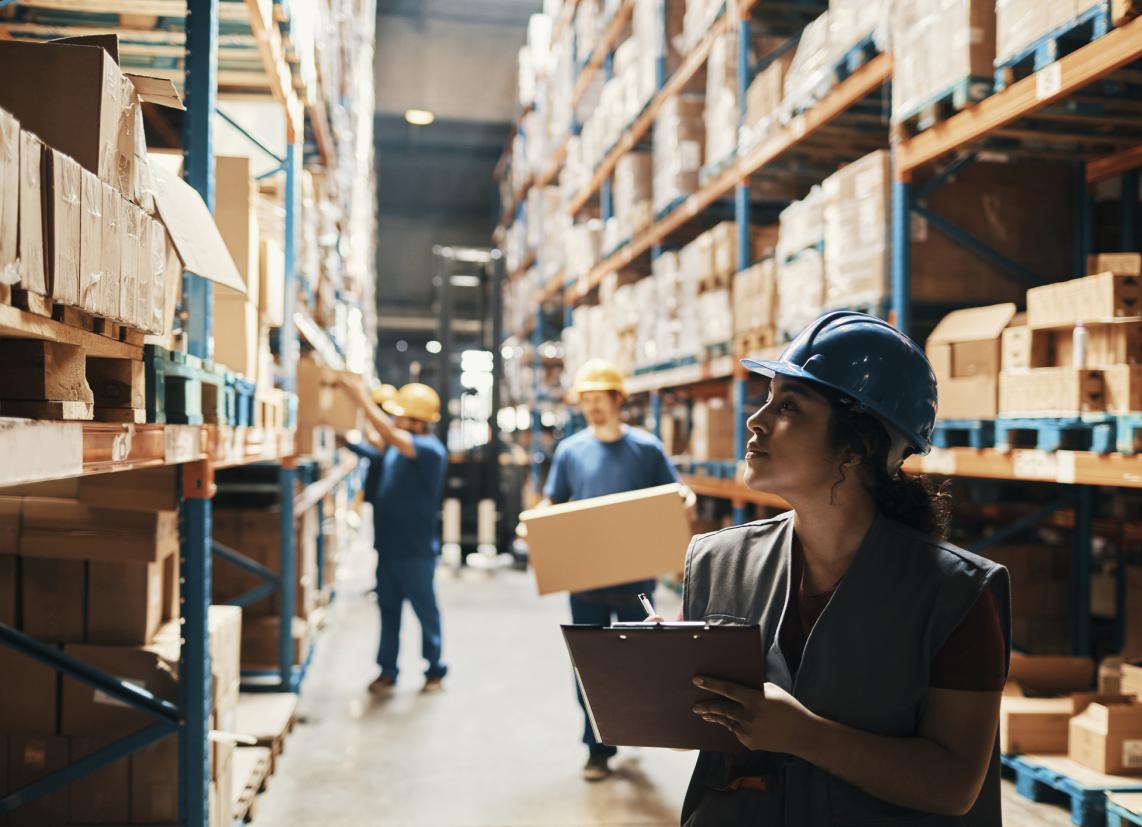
(265, 72)
(1049, 113)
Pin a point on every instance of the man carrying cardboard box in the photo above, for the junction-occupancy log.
(407, 468)
(607, 458)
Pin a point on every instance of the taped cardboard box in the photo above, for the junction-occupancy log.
(131, 233)
(111, 269)
(147, 489)
(31, 758)
(125, 602)
(89, 711)
(271, 278)
(33, 268)
(53, 596)
(1098, 298)
(1051, 392)
(9, 199)
(1130, 678)
(965, 352)
(66, 529)
(29, 695)
(605, 541)
(91, 231)
(1051, 674)
(1039, 726)
(235, 203)
(1107, 737)
(63, 194)
(1126, 264)
(1123, 388)
(236, 335)
(712, 430)
(1020, 23)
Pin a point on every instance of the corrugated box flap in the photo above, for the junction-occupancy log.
(973, 324)
(193, 232)
(159, 91)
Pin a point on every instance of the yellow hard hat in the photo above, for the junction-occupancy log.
(416, 401)
(384, 393)
(598, 375)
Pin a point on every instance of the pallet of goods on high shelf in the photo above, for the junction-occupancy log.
(943, 60)
(90, 565)
(1031, 35)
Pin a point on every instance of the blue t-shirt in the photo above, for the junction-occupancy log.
(585, 467)
(406, 495)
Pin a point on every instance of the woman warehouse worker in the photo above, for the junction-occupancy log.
(886, 648)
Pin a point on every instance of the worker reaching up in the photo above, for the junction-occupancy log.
(606, 458)
(404, 484)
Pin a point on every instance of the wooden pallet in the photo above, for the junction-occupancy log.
(1123, 809)
(1097, 434)
(184, 390)
(1058, 779)
(270, 409)
(268, 718)
(1059, 42)
(250, 769)
(964, 433)
(958, 96)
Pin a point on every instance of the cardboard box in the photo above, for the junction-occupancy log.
(145, 271)
(29, 695)
(53, 595)
(1123, 388)
(235, 202)
(104, 797)
(63, 196)
(9, 589)
(260, 642)
(1022, 347)
(1051, 391)
(605, 541)
(33, 267)
(31, 758)
(1130, 678)
(1110, 676)
(256, 533)
(88, 711)
(712, 430)
(236, 335)
(1098, 298)
(271, 277)
(107, 301)
(11, 510)
(90, 241)
(131, 233)
(125, 602)
(1051, 674)
(61, 528)
(965, 352)
(148, 489)
(154, 783)
(9, 199)
(1039, 726)
(1127, 264)
(1108, 738)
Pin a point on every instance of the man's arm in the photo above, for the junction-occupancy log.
(362, 449)
(399, 438)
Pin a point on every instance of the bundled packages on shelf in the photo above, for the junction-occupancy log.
(633, 204)
(755, 307)
(583, 247)
(678, 149)
(699, 17)
(721, 111)
(656, 27)
(941, 48)
(857, 219)
(534, 57)
(763, 101)
(800, 264)
(90, 566)
(810, 74)
(1020, 23)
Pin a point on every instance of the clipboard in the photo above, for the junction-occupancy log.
(637, 679)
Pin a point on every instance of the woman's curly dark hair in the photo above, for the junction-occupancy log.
(915, 501)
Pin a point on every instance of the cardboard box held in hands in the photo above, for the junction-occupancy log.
(605, 541)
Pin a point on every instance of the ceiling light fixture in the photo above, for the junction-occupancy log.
(419, 117)
(464, 281)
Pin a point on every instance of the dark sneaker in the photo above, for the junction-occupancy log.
(597, 768)
(383, 685)
(433, 683)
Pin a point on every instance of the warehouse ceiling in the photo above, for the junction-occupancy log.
(457, 59)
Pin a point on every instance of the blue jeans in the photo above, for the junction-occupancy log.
(602, 613)
(408, 578)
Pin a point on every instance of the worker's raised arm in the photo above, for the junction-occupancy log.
(389, 433)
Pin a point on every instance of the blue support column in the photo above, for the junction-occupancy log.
(1080, 568)
(287, 592)
(656, 412)
(1128, 235)
(194, 518)
(902, 255)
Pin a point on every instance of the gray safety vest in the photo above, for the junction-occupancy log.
(866, 663)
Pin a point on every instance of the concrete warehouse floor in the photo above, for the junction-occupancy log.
(500, 745)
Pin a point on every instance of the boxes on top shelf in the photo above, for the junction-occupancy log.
(763, 101)
(964, 349)
(810, 73)
(678, 146)
(857, 217)
(721, 112)
(9, 199)
(1020, 23)
(1097, 298)
(33, 269)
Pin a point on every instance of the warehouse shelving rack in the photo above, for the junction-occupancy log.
(1043, 115)
(253, 45)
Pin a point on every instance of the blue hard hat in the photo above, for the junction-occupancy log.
(868, 359)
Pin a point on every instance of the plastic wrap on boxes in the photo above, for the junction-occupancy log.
(800, 292)
(755, 298)
(632, 193)
(90, 242)
(857, 214)
(936, 45)
(810, 73)
(716, 316)
(9, 198)
(763, 101)
(1019, 23)
(656, 28)
(721, 98)
(851, 21)
(700, 16)
(802, 224)
(679, 144)
(583, 247)
(696, 259)
(589, 24)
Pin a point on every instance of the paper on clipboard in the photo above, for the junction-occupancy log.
(637, 679)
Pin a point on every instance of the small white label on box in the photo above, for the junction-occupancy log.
(1132, 753)
(1049, 81)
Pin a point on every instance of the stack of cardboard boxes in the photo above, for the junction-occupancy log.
(323, 407)
(1040, 574)
(92, 568)
(679, 146)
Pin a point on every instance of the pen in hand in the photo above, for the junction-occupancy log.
(648, 607)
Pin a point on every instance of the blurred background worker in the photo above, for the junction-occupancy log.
(607, 458)
(404, 484)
